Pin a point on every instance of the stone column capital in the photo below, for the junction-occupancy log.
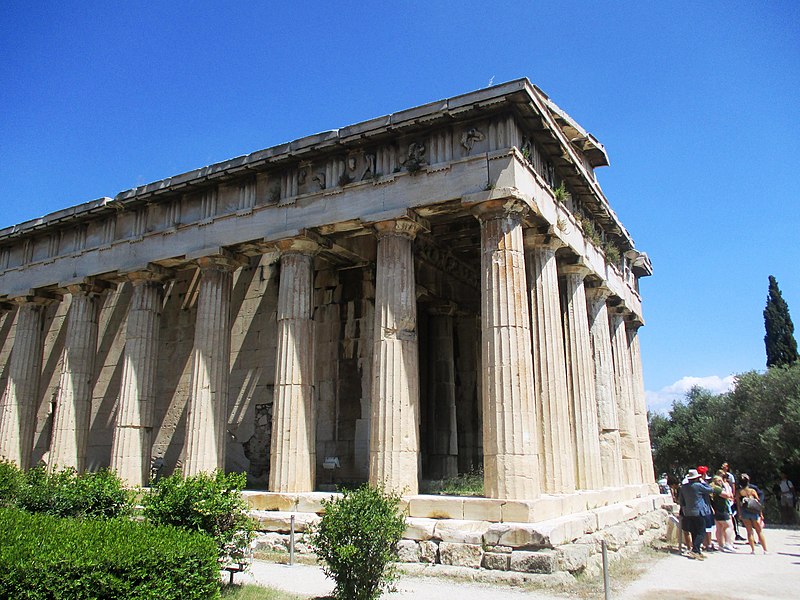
(404, 227)
(89, 286)
(153, 273)
(299, 245)
(632, 322)
(37, 297)
(501, 208)
(598, 294)
(442, 309)
(535, 239)
(577, 270)
(223, 260)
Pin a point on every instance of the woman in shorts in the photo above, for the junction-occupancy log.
(750, 517)
(722, 516)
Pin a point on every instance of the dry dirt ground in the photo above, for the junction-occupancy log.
(743, 576)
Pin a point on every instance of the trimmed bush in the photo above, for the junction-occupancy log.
(47, 557)
(210, 504)
(357, 539)
(65, 493)
(11, 478)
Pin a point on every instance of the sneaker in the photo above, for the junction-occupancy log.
(729, 549)
(739, 538)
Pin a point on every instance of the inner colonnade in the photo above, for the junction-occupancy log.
(406, 299)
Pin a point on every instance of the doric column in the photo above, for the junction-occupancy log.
(557, 451)
(623, 387)
(442, 393)
(640, 405)
(74, 398)
(130, 452)
(293, 447)
(208, 401)
(510, 426)
(467, 417)
(394, 424)
(605, 394)
(21, 396)
(580, 379)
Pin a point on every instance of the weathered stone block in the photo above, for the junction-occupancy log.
(271, 542)
(444, 507)
(516, 535)
(572, 557)
(462, 532)
(281, 521)
(543, 561)
(610, 515)
(496, 561)
(460, 555)
(312, 501)
(428, 552)
(270, 501)
(419, 529)
(483, 509)
(408, 551)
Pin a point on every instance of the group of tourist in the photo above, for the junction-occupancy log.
(709, 504)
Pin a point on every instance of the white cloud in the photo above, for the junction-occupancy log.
(661, 401)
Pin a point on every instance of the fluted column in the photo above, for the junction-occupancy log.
(394, 423)
(580, 379)
(557, 451)
(467, 417)
(21, 396)
(442, 393)
(640, 405)
(74, 398)
(130, 452)
(605, 394)
(623, 386)
(208, 402)
(510, 426)
(293, 447)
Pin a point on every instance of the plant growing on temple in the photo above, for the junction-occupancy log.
(209, 503)
(779, 339)
(611, 252)
(357, 540)
(561, 193)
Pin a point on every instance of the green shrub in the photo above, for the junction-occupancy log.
(11, 478)
(66, 493)
(612, 253)
(357, 539)
(211, 504)
(48, 557)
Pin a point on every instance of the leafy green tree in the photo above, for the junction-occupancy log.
(357, 540)
(209, 503)
(779, 339)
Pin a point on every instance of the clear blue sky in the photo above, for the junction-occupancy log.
(697, 104)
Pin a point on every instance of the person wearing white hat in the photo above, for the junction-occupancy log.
(694, 498)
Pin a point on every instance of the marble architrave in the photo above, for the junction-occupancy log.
(557, 451)
(394, 424)
(131, 449)
(204, 450)
(293, 448)
(21, 396)
(580, 380)
(510, 426)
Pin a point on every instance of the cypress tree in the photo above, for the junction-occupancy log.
(779, 340)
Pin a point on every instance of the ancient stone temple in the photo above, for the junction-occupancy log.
(424, 294)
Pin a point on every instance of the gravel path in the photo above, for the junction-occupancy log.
(774, 576)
